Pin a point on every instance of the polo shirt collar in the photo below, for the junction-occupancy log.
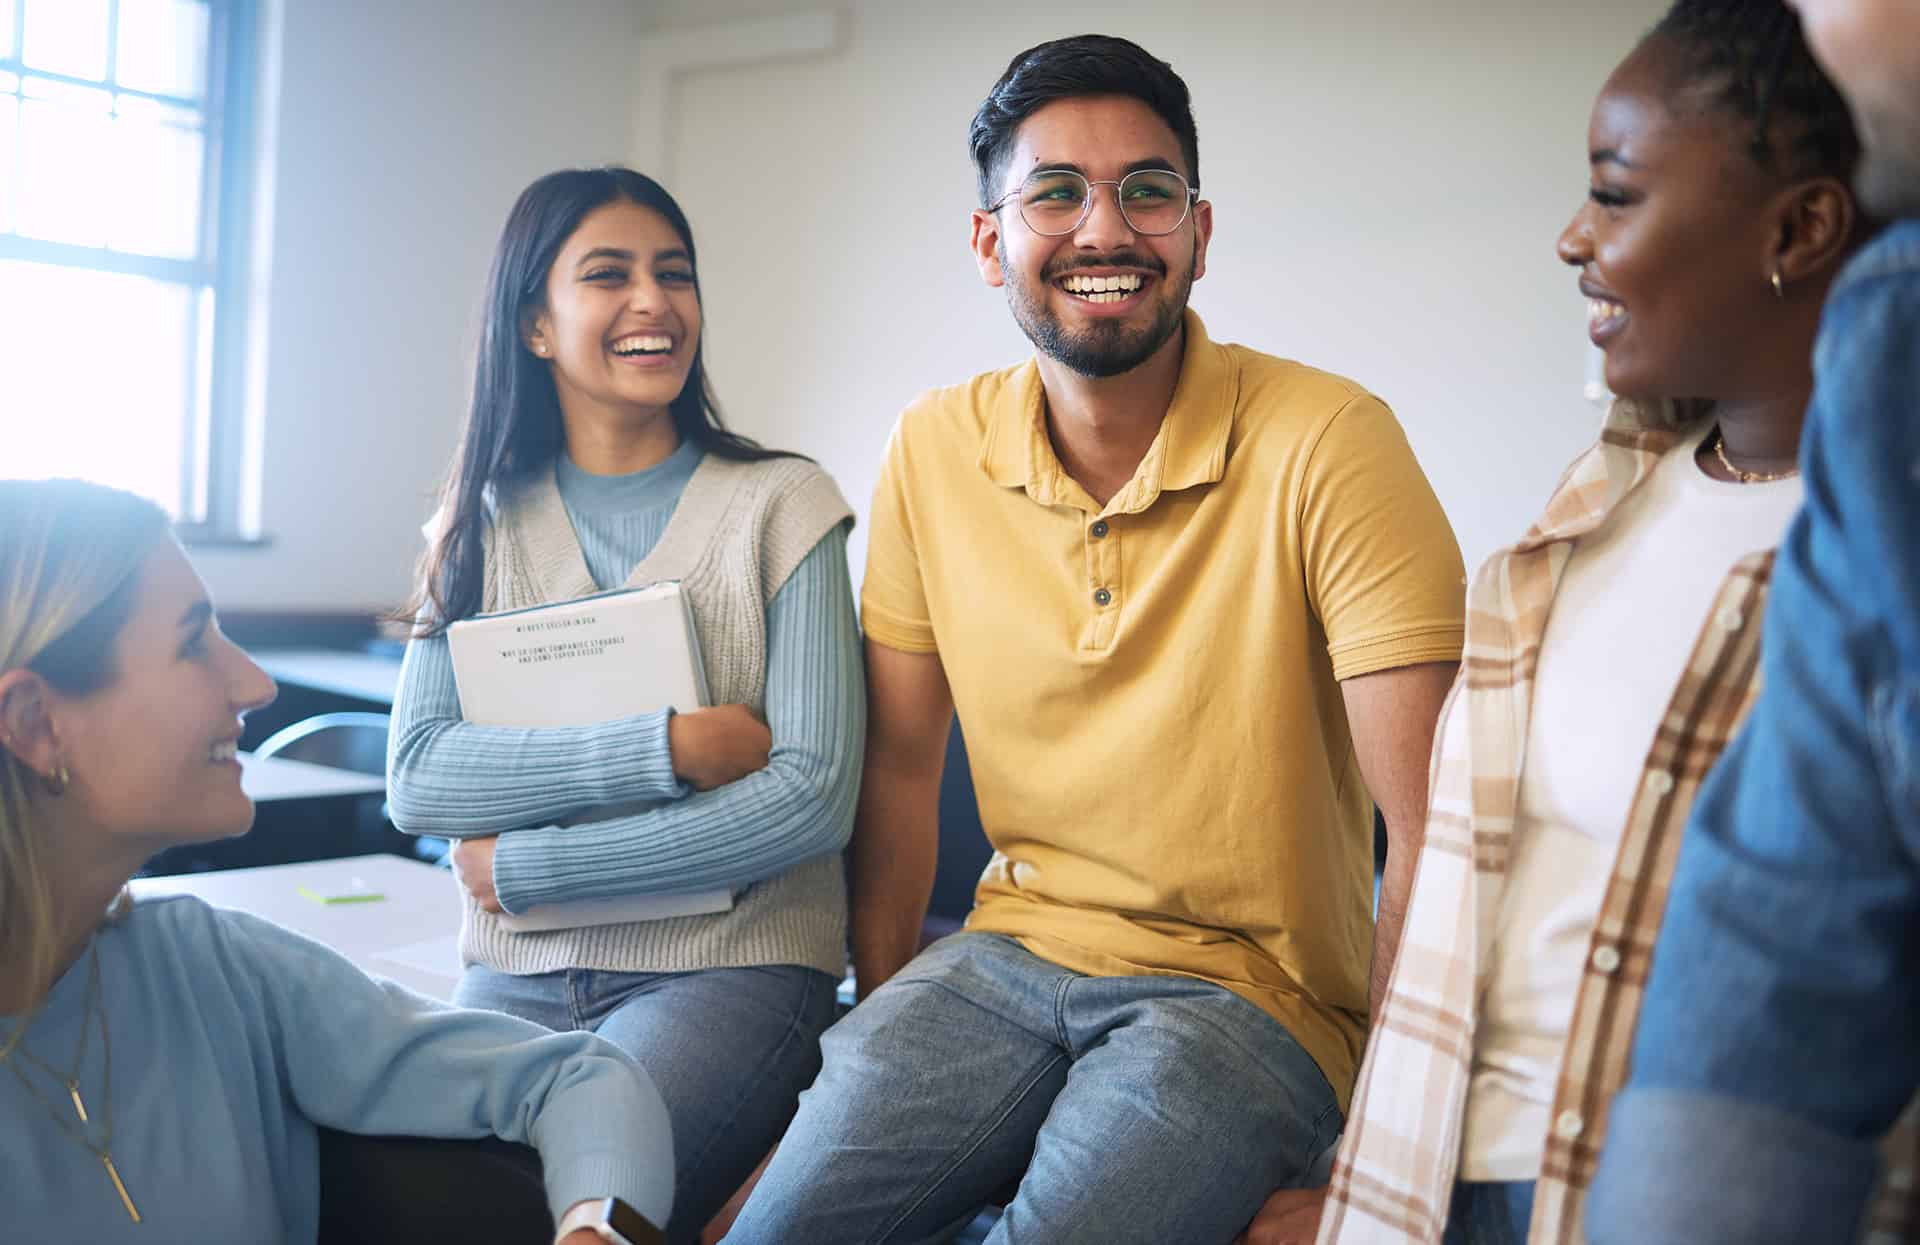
(1190, 448)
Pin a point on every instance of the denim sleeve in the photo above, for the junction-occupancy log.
(798, 807)
(1780, 1034)
(448, 777)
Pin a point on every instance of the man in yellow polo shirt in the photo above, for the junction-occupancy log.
(1197, 608)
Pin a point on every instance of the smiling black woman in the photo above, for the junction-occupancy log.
(1616, 645)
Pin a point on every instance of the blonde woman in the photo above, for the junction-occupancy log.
(166, 1064)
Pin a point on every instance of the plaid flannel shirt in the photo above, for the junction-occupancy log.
(1393, 1180)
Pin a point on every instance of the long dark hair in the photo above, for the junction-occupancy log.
(513, 428)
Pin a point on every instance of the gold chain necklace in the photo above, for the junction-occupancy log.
(1745, 477)
(71, 1082)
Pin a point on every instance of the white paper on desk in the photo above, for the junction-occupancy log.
(439, 956)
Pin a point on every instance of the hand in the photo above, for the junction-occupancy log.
(582, 1236)
(713, 747)
(473, 865)
(1289, 1217)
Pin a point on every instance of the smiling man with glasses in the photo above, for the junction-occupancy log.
(1197, 608)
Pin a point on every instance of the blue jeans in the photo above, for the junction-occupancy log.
(730, 1049)
(1147, 1109)
(1493, 1212)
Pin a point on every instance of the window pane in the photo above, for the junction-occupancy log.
(162, 47)
(9, 126)
(6, 31)
(155, 206)
(66, 165)
(66, 36)
(127, 339)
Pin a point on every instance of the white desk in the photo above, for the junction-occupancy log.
(410, 935)
(361, 676)
(276, 778)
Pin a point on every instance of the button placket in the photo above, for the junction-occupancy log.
(1102, 544)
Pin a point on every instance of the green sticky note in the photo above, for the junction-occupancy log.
(355, 892)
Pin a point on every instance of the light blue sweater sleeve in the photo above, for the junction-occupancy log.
(368, 1056)
(800, 806)
(450, 778)
(221, 1042)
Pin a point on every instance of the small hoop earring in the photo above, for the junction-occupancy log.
(57, 782)
(1778, 291)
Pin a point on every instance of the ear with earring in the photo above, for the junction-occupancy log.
(1779, 291)
(539, 347)
(57, 781)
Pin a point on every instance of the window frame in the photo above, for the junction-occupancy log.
(213, 489)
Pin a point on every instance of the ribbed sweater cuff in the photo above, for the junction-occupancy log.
(650, 765)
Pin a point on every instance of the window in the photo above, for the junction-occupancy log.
(122, 211)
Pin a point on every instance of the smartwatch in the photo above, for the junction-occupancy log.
(620, 1224)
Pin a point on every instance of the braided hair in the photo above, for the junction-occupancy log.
(1752, 58)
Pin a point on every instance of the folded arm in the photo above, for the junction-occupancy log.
(799, 807)
(448, 777)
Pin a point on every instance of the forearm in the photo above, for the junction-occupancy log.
(890, 872)
(370, 1057)
(732, 836)
(1394, 714)
(799, 807)
(448, 777)
(1396, 891)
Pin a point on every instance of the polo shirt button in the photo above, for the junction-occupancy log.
(1569, 1125)
(1660, 782)
(1731, 619)
(1606, 959)
(1099, 529)
(1102, 597)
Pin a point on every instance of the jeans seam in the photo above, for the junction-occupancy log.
(770, 1062)
(966, 1151)
(1060, 1027)
(574, 1016)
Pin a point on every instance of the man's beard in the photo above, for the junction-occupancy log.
(1106, 347)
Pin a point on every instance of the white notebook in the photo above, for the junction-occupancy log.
(577, 663)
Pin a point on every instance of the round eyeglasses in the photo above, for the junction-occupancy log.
(1054, 202)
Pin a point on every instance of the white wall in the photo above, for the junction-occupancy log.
(406, 129)
(1388, 178)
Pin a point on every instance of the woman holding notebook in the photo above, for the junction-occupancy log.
(593, 459)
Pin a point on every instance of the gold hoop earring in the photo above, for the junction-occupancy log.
(1778, 291)
(57, 781)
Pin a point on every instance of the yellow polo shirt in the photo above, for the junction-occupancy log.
(1150, 689)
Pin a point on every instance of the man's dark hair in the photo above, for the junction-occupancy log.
(1066, 69)
(1752, 58)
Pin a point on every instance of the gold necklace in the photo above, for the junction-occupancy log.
(1745, 477)
(71, 1082)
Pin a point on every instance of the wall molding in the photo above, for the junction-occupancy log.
(670, 54)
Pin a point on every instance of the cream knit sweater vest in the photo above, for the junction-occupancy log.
(739, 530)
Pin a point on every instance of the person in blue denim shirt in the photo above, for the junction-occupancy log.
(1780, 1038)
